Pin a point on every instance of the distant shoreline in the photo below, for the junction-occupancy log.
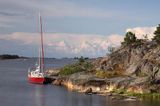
(8, 56)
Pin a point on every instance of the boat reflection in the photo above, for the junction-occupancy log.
(39, 95)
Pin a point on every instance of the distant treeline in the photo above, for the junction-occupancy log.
(81, 58)
(8, 56)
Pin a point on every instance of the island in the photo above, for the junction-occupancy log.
(8, 56)
(130, 72)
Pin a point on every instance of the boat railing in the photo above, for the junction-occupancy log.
(31, 69)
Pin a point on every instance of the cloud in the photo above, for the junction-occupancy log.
(56, 8)
(141, 31)
(67, 44)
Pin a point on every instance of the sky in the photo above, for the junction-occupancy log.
(73, 27)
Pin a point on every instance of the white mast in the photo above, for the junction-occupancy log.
(42, 49)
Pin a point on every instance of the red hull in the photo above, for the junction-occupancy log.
(39, 80)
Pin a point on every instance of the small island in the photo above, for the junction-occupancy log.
(8, 56)
(130, 72)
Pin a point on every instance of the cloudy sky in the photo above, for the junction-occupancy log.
(73, 27)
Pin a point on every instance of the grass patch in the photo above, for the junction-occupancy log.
(70, 69)
(108, 74)
(143, 96)
(146, 96)
(141, 74)
(120, 91)
(74, 68)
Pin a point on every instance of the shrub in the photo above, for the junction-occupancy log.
(111, 49)
(78, 67)
(70, 69)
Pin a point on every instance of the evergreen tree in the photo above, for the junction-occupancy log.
(130, 38)
(81, 59)
(145, 37)
(157, 34)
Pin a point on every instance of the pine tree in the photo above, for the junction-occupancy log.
(157, 34)
(130, 38)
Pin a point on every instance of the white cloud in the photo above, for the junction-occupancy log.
(116, 39)
(68, 44)
(141, 31)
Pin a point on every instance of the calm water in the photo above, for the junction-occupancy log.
(16, 91)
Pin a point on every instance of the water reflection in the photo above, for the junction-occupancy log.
(79, 99)
(84, 100)
(38, 95)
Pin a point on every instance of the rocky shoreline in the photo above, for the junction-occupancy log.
(89, 84)
(129, 72)
(126, 74)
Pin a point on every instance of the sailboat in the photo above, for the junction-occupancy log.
(36, 74)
